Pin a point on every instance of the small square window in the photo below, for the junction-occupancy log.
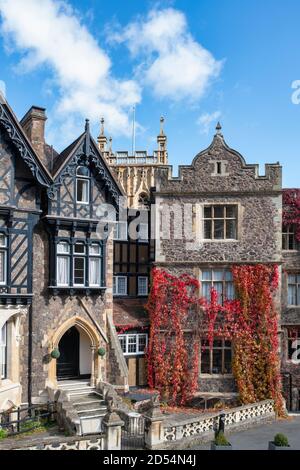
(142, 285)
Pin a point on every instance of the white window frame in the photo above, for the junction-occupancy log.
(98, 257)
(85, 179)
(119, 232)
(137, 337)
(116, 285)
(3, 249)
(65, 255)
(139, 279)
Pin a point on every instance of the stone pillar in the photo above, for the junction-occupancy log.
(112, 425)
(154, 427)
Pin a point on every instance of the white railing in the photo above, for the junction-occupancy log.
(207, 423)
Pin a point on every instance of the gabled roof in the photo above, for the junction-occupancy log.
(11, 125)
(84, 145)
(65, 154)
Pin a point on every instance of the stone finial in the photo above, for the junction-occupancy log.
(102, 140)
(87, 125)
(162, 143)
(162, 120)
(218, 128)
(102, 126)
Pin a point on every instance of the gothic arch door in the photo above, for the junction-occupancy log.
(68, 361)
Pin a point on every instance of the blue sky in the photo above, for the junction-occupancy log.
(192, 62)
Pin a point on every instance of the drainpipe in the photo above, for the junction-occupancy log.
(29, 391)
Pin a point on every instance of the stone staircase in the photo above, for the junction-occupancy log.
(86, 405)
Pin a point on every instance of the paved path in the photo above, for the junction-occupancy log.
(258, 438)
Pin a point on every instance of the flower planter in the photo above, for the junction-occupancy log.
(216, 447)
(273, 446)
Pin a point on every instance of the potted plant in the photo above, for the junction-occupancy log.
(55, 354)
(220, 442)
(280, 442)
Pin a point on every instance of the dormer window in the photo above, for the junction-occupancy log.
(83, 185)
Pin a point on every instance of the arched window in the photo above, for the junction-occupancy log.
(83, 185)
(3, 351)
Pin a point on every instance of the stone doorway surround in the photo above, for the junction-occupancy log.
(10, 387)
(94, 338)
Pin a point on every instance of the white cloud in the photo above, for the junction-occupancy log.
(206, 119)
(173, 64)
(49, 33)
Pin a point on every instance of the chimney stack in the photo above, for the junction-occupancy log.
(33, 124)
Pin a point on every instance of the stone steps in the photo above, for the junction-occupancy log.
(87, 403)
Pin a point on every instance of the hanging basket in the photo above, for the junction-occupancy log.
(101, 352)
(55, 354)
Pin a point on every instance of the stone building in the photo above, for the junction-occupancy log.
(290, 318)
(68, 295)
(56, 272)
(217, 213)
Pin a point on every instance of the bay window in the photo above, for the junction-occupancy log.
(79, 264)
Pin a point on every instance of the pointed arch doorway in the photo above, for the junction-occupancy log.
(68, 361)
(77, 342)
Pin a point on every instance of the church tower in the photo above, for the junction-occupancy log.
(136, 173)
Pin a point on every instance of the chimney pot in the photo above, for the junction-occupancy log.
(33, 124)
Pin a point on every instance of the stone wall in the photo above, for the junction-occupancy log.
(218, 175)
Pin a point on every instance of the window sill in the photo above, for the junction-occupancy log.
(216, 376)
(72, 290)
(228, 240)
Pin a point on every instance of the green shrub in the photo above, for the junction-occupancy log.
(280, 440)
(3, 433)
(220, 440)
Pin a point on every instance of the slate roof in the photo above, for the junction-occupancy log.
(130, 312)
